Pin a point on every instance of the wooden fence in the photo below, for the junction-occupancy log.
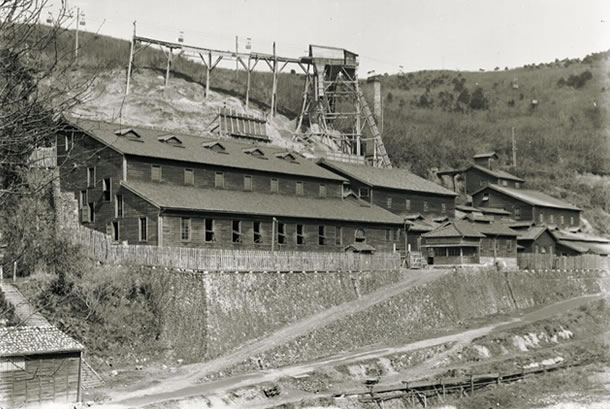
(553, 262)
(99, 246)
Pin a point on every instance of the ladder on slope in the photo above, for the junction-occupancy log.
(380, 152)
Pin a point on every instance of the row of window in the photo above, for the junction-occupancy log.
(281, 236)
(503, 182)
(219, 181)
(551, 218)
(498, 244)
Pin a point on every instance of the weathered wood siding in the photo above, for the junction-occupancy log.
(544, 241)
(425, 204)
(46, 378)
(476, 179)
(505, 246)
(173, 173)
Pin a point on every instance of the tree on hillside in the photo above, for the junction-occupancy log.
(35, 86)
(478, 100)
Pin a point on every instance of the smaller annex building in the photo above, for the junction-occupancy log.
(38, 365)
(529, 205)
(471, 242)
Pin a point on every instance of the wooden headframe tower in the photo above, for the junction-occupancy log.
(334, 109)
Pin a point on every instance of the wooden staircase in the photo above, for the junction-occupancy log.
(381, 155)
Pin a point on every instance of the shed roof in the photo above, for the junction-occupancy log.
(195, 149)
(532, 197)
(500, 174)
(392, 178)
(27, 340)
(569, 236)
(494, 229)
(174, 197)
(485, 155)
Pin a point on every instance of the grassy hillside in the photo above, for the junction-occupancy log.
(439, 119)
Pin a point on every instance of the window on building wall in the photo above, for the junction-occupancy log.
(322, 235)
(209, 230)
(443, 207)
(322, 190)
(387, 234)
(517, 185)
(275, 186)
(281, 233)
(509, 245)
(543, 249)
(143, 228)
(364, 193)
(300, 234)
(562, 219)
(408, 204)
(359, 236)
(189, 177)
(485, 197)
(118, 206)
(236, 229)
(115, 230)
(388, 202)
(67, 145)
(541, 217)
(82, 201)
(571, 220)
(453, 251)
(536, 249)
(504, 182)
(155, 173)
(91, 177)
(248, 183)
(339, 236)
(551, 218)
(91, 212)
(185, 228)
(219, 180)
(299, 188)
(257, 236)
(426, 206)
(107, 189)
(397, 236)
(517, 213)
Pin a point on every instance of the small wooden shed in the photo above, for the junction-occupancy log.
(38, 365)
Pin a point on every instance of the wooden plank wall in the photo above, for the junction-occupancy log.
(533, 261)
(99, 246)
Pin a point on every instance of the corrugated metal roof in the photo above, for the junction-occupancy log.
(500, 174)
(532, 197)
(264, 204)
(394, 178)
(35, 340)
(233, 155)
(485, 155)
(566, 235)
(573, 246)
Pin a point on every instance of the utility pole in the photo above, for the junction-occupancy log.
(133, 40)
(514, 144)
(274, 87)
(77, 24)
(236, 56)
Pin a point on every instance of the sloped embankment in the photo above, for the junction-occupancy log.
(417, 312)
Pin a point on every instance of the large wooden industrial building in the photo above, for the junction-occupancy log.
(152, 187)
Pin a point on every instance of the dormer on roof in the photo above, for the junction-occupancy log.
(170, 139)
(256, 152)
(215, 146)
(485, 159)
(128, 132)
(288, 156)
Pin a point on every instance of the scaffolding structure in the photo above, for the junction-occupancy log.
(334, 110)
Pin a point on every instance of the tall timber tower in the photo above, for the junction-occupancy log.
(334, 110)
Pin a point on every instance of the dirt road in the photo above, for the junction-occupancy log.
(189, 375)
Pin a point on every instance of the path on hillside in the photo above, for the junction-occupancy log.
(425, 369)
(190, 375)
(27, 315)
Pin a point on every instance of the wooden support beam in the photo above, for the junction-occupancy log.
(283, 66)
(169, 65)
(208, 71)
(248, 84)
(239, 60)
(274, 86)
(218, 59)
(131, 57)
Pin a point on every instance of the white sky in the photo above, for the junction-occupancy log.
(417, 34)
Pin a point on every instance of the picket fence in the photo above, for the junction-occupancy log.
(99, 246)
(553, 262)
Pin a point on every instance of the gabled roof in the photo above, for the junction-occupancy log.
(27, 340)
(455, 228)
(494, 229)
(500, 174)
(532, 197)
(233, 155)
(165, 196)
(394, 178)
(532, 233)
(569, 236)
